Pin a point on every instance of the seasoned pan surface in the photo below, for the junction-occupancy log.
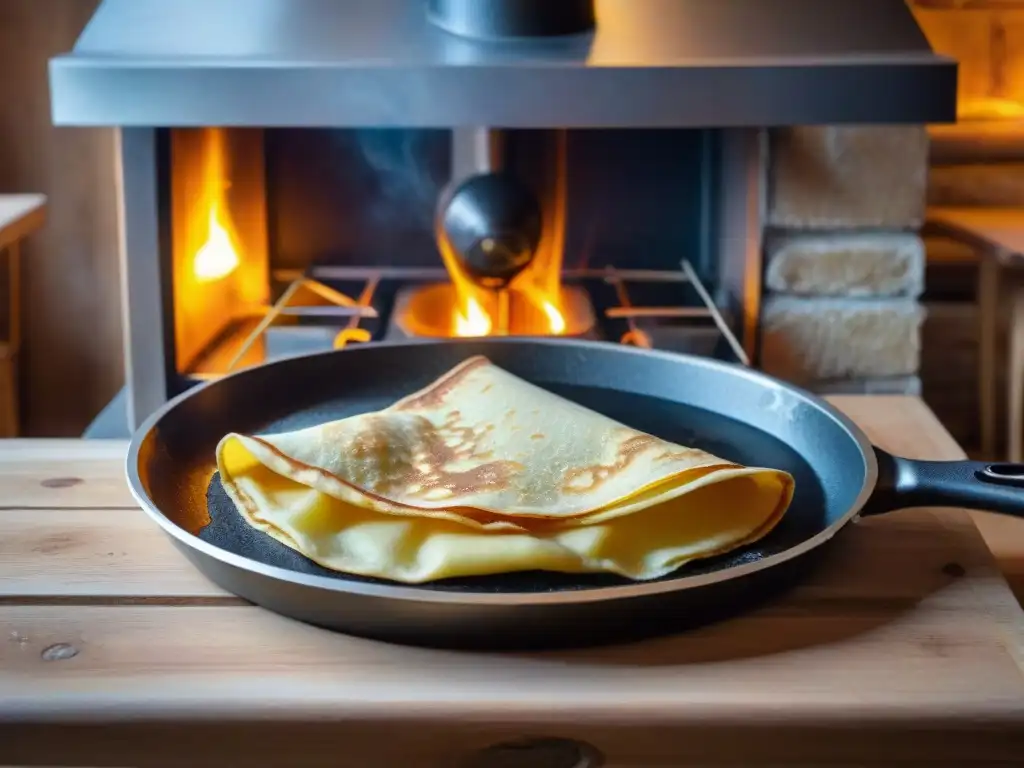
(727, 410)
(666, 395)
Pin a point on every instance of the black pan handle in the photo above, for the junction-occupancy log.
(972, 484)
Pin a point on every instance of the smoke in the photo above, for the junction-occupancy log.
(408, 169)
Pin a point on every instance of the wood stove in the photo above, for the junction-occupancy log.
(285, 166)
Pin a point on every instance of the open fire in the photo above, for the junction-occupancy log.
(217, 257)
(535, 303)
(477, 311)
(237, 304)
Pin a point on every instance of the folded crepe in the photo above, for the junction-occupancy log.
(482, 472)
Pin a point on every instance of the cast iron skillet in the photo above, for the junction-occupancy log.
(727, 410)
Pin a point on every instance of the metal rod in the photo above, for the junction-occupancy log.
(265, 322)
(741, 355)
(630, 275)
(634, 335)
(329, 294)
(476, 149)
(350, 331)
(352, 311)
(657, 312)
(439, 273)
(366, 273)
(503, 306)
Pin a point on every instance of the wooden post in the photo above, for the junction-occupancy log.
(20, 216)
(11, 346)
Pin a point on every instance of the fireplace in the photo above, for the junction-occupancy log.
(290, 171)
(279, 241)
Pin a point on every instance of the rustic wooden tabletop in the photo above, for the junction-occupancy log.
(906, 647)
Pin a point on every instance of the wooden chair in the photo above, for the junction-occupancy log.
(997, 234)
(20, 215)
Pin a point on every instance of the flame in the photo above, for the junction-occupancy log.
(548, 303)
(471, 319)
(556, 319)
(479, 312)
(218, 256)
(475, 311)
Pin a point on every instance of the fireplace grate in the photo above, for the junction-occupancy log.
(658, 309)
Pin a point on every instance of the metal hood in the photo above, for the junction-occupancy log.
(655, 63)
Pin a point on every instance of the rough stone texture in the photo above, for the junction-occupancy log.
(845, 177)
(889, 385)
(996, 184)
(845, 264)
(813, 339)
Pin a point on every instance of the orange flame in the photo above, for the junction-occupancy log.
(476, 310)
(556, 319)
(218, 256)
(469, 316)
(471, 319)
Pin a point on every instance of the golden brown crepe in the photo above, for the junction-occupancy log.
(482, 473)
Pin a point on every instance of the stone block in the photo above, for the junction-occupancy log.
(845, 177)
(814, 339)
(845, 264)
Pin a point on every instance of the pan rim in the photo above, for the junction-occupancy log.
(423, 593)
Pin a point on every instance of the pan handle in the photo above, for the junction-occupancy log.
(994, 487)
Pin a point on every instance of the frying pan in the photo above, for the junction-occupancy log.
(730, 411)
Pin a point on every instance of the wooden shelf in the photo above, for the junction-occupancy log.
(20, 216)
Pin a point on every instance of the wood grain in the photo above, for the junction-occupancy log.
(986, 37)
(66, 473)
(95, 555)
(111, 640)
(72, 361)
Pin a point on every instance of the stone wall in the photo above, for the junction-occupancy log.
(844, 265)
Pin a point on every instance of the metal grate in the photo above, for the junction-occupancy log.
(640, 320)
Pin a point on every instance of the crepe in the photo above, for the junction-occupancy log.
(482, 472)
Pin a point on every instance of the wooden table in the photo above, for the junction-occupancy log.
(906, 648)
(997, 234)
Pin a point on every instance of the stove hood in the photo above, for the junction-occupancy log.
(651, 63)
